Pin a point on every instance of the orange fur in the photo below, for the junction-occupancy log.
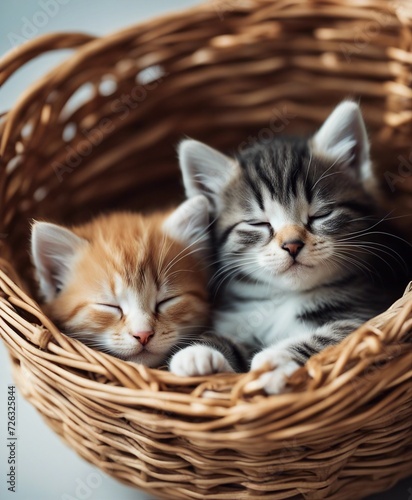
(129, 260)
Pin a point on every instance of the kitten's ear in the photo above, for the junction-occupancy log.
(53, 250)
(205, 171)
(189, 222)
(343, 136)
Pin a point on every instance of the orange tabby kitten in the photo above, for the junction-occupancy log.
(131, 285)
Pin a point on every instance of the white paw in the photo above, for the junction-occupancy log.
(198, 360)
(281, 365)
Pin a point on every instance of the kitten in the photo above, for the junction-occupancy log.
(303, 258)
(133, 286)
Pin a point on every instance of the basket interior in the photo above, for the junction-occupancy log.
(99, 132)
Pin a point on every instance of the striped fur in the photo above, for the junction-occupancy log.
(303, 255)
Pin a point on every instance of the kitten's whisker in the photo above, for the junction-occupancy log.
(326, 176)
(224, 271)
(170, 275)
(372, 246)
(232, 276)
(371, 252)
(182, 256)
(340, 262)
(203, 235)
(245, 259)
(202, 328)
(323, 176)
(348, 257)
(308, 168)
(163, 254)
(371, 227)
(384, 218)
(233, 272)
(230, 266)
(367, 233)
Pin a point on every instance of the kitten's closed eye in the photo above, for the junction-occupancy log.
(164, 304)
(320, 215)
(111, 308)
(259, 223)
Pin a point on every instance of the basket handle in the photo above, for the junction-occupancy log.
(20, 55)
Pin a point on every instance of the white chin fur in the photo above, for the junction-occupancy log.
(132, 351)
(297, 277)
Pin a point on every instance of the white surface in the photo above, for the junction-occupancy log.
(46, 468)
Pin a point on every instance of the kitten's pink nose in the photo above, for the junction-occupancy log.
(293, 247)
(143, 337)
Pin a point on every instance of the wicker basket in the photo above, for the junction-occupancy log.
(226, 73)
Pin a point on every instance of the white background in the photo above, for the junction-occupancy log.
(48, 469)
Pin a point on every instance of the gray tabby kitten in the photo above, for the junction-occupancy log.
(303, 259)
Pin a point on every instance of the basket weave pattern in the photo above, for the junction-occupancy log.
(228, 71)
